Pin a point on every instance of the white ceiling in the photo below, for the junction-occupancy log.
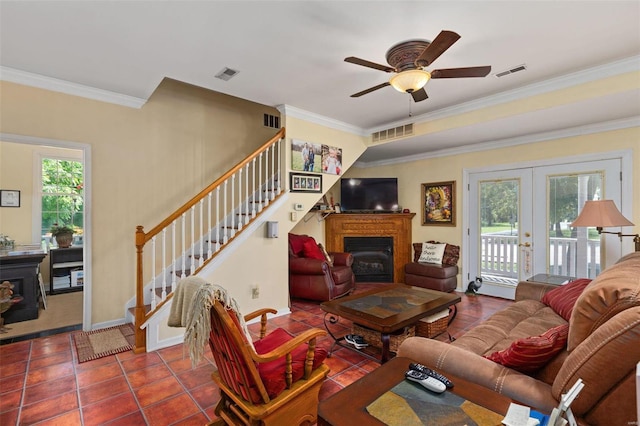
(291, 53)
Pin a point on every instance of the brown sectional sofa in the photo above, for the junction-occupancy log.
(603, 348)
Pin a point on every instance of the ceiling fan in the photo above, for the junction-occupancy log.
(408, 60)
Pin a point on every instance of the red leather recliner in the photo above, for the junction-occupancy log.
(315, 274)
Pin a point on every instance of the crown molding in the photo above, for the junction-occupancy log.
(611, 69)
(606, 126)
(291, 111)
(62, 86)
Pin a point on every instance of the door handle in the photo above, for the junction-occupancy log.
(527, 244)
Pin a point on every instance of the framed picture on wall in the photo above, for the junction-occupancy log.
(305, 182)
(306, 156)
(331, 160)
(9, 198)
(439, 203)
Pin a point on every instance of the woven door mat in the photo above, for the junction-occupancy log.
(96, 344)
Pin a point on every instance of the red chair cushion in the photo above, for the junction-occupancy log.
(562, 299)
(296, 242)
(532, 353)
(310, 250)
(273, 373)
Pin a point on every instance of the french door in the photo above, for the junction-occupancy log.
(519, 223)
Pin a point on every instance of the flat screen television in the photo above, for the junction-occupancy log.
(369, 195)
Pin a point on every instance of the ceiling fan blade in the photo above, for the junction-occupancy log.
(442, 42)
(461, 72)
(369, 90)
(419, 95)
(368, 64)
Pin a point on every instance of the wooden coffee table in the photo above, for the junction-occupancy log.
(388, 309)
(348, 406)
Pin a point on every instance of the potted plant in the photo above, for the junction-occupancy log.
(63, 235)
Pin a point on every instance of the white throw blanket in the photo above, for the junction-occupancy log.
(191, 308)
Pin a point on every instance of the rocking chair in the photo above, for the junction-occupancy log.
(272, 381)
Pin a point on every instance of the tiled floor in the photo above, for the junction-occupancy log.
(42, 383)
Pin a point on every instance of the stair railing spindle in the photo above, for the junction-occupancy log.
(173, 256)
(164, 266)
(253, 188)
(184, 245)
(279, 171)
(226, 238)
(260, 183)
(217, 219)
(266, 177)
(201, 252)
(193, 239)
(153, 271)
(209, 250)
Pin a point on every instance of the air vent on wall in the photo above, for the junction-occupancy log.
(393, 133)
(226, 74)
(511, 71)
(271, 121)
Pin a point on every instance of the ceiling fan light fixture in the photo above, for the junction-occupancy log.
(410, 80)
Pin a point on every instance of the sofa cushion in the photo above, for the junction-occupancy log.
(562, 299)
(310, 250)
(532, 353)
(296, 242)
(616, 289)
(450, 257)
(432, 253)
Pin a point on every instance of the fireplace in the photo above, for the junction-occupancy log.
(372, 258)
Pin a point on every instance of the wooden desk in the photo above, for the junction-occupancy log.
(22, 269)
(348, 406)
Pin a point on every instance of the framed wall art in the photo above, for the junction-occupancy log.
(439, 203)
(306, 156)
(9, 198)
(331, 160)
(305, 182)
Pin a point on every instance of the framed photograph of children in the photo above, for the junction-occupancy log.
(306, 156)
(305, 182)
(439, 203)
(9, 198)
(331, 160)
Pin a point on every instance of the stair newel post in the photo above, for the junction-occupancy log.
(246, 191)
(217, 219)
(253, 182)
(184, 244)
(140, 335)
(192, 267)
(260, 183)
(233, 205)
(201, 233)
(164, 262)
(153, 273)
(173, 256)
(209, 251)
(266, 177)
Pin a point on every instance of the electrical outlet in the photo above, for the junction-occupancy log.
(255, 292)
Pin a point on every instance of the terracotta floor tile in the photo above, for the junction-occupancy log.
(171, 411)
(95, 363)
(9, 417)
(9, 357)
(133, 419)
(329, 387)
(12, 382)
(194, 378)
(148, 375)
(173, 353)
(71, 418)
(99, 374)
(337, 365)
(49, 408)
(14, 368)
(39, 351)
(141, 361)
(56, 358)
(46, 389)
(349, 376)
(103, 390)
(51, 372)
(206, 395)
(157, 391)
(197, 419)
(109, 409)
(10, 400)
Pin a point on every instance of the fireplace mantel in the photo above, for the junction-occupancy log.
(395, 225)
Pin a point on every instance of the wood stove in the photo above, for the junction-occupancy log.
(372, 258)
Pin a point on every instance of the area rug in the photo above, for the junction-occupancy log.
(107, 341)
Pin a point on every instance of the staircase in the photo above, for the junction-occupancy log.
(192, 236)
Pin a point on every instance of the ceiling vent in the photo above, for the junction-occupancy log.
(226, 74)
(511, 71)
(393, 133)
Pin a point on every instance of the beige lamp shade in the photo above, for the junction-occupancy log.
(410, 80)
(600, 214)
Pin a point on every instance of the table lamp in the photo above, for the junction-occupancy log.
(602, 214)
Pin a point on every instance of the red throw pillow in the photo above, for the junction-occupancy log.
(562, 299)
(296, 242)
(532, 353)
(310, 250)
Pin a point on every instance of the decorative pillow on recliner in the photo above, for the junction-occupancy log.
(432, 253)
(562, 299)
(296, 242)
(532, 353)
(310, 250)
(273, 373)
(450, 257)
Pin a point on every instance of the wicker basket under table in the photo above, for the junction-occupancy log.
(434, 325)
(373, 337)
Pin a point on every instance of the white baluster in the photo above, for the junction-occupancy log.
(164, 256)
(173, 256)
(201, 233)
(253, 185)
(279, 172)
(246, 191)
(217, 219)
(184, 248)
(266, 177)
(260, 183)
(239, 200)
(193, 239)
(273, 174)
(209, 250)
(153, 273)
(225, 239)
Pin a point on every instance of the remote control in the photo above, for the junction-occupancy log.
(428, 382)
(421, 368)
